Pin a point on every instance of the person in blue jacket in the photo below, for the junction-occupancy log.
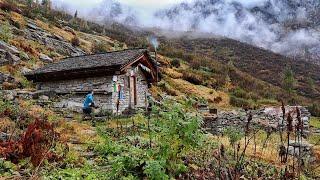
(88, 104)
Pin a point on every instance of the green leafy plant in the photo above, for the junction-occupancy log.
(234, 135)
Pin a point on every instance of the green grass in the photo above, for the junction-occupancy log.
(315, 122)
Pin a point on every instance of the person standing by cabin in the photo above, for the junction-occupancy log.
(88, 104)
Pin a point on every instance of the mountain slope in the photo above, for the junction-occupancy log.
(257, 62)
(283, 26)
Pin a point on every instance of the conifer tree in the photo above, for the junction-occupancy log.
(76, 14)
(289, 81)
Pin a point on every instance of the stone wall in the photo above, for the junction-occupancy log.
(142, 86)
(86, 84)
(267, 118)
(105, 96)
(142, 89)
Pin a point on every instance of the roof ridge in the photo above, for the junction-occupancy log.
(138, 48)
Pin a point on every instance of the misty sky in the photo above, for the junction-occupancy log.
(145, 7)
(153, 4)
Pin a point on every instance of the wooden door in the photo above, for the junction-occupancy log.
(133, 92)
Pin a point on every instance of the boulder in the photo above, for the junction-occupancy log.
(69, 29)
(3, 53)
(9, 48)
(9, 95)
(70, 105)
(24, 94)
(31, 25)
(45, 58)
(305, 147)
(6, 78)
(12, 59)
(57, 43)
(4, 62)
(4, 136)
(57, 37)
(303, 144)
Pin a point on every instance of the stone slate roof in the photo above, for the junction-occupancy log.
(110, 59)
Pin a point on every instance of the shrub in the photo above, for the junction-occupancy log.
(75, 41)
(168, 89)
(314, 110)
(36, 143)
(5, 32)
(240, 102)
(195, 64)
(192, 78)
(160, 153)
(176, 63)
(99, 47)
(240, 93)
(218, 99)
(16, 24)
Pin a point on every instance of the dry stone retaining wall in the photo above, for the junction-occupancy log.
(267, 118)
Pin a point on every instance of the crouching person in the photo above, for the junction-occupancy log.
(88, 104)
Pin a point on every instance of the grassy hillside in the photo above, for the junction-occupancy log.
(170, 142)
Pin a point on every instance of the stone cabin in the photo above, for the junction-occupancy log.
(120, 79)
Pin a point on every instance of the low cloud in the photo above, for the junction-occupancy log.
(287, 27)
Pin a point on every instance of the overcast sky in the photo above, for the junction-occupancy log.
(152, 4)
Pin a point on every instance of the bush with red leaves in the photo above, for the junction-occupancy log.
(36, 143)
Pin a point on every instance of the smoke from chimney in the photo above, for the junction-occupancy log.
(154, 42)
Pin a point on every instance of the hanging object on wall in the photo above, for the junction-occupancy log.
(114, 87)
(120, 93)
(115, 78)
(145, 68)
(125, 84)
(132, 73)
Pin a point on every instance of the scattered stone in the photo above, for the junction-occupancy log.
(6, 78)
(305, 148)
(24, 94)
(88, 155)
(57, 43)
(75, 140)
(45, 58)
(12, 59)
(33, 26)
(18, 32)
(69, 29)
(89, 132)
(317, 131)
(25, 70)
(4, 136)
(44, 98)
(57, 37)
(4, 62)
(303, 144)
(9, 95)
(9, 48)
(69, 116)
